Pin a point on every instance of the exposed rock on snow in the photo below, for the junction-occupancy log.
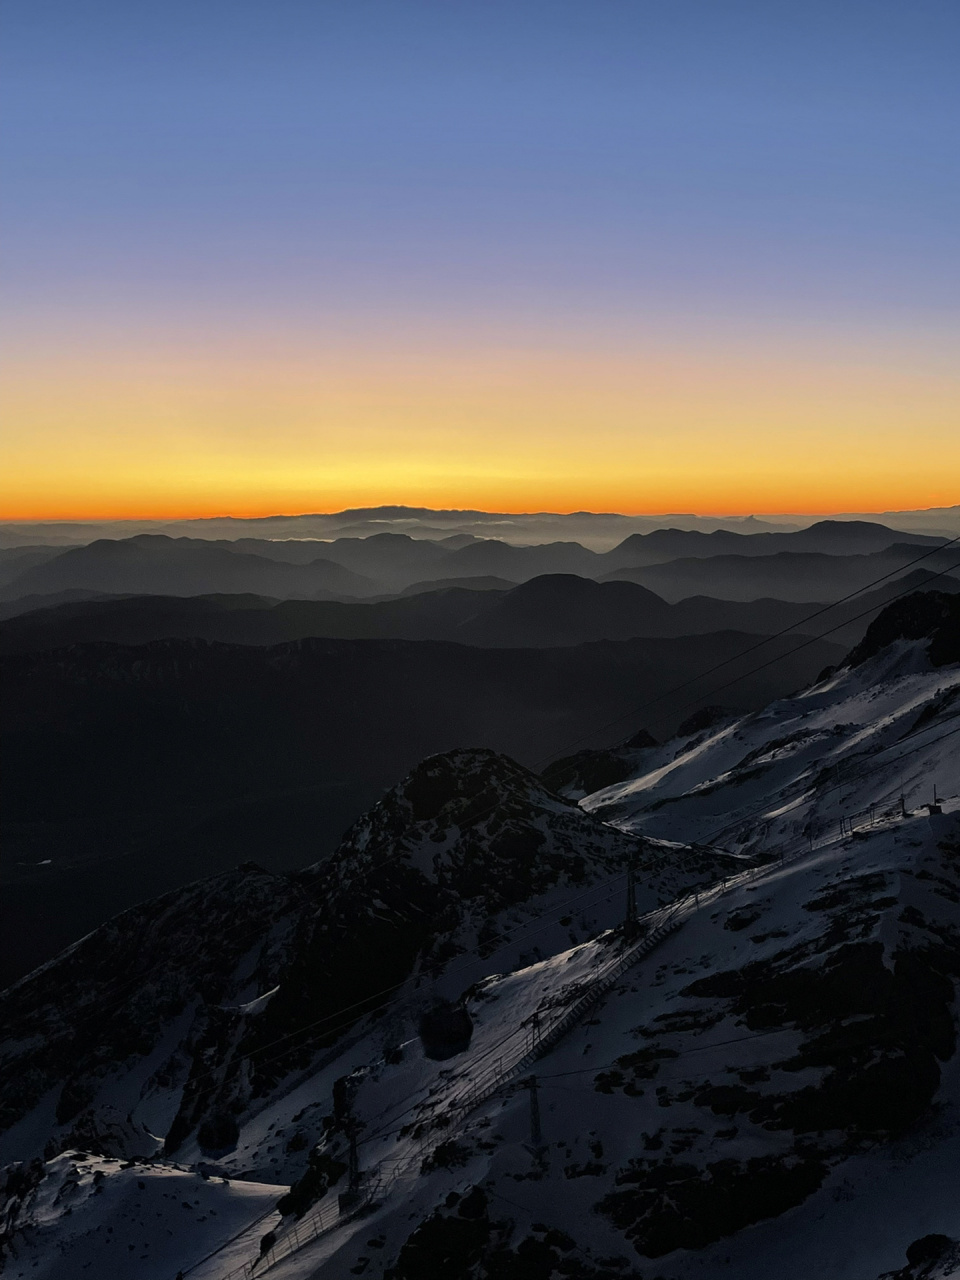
(773, 1090)
(190, 1010)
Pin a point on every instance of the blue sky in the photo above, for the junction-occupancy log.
(570, 171)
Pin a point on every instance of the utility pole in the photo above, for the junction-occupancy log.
(354, 1157)
(348, 1199)
(535, 1030)
(630, 916)
(536, 1145)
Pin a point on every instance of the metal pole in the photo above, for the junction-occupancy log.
(536, 1134)
(354, 1157)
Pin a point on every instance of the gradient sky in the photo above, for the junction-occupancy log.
(688, 255)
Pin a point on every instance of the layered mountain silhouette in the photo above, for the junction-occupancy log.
(598, 530)
(822, 562)
(826, 537)
(547, 612)
(785, 575)
(183, 567)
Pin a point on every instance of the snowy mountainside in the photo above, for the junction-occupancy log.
(843, 751)
(468, 866)
(775, 1090)
(771, 1064)
(765, 1083)
(203, 1022)
(87, 1215)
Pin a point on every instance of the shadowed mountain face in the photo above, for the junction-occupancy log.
(489, 582)
(546, 612)
(135, 769)
(929, 614)
(786, 575)
(17, 560)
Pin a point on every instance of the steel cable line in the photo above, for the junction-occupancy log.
(518, 931)
(595, 1069)
(701, 1048)
(635, 711)
(771, 866)
(345, 1025)
(668, 910)
(522, 930)
(886, 764)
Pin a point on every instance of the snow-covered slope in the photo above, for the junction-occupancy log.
(212, 1023)
(86, 1215)
(840, 754)
(760, 1079)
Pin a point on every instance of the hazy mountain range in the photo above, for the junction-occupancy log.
(598, 530)
(146, 744)
(546, 612)
(820, 563)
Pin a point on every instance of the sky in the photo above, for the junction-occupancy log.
(635, 255)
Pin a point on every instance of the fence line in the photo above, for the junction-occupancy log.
(661, 922)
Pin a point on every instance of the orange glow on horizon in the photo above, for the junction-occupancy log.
(156, 508)
(162, 432)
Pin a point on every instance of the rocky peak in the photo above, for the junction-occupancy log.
(924, 615)
(476, 824)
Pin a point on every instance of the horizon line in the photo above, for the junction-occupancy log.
(470, 511)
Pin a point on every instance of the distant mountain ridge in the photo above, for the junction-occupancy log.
(672, 562)
(546, 612)
(598, 530)
(181, 566)
(800, 576)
